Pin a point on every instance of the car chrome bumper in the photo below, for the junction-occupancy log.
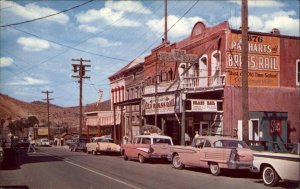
(236, 165)
(254, 169)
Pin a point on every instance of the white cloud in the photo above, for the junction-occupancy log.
(32, 11)
(265, 23)
(112, 17)
(33, 44)
(128, 6)
(30, 81)
(6, 61)
(181, 29)
(103, 42)
(87, 28)
(255, 23)
(260, 3)
(286, 25)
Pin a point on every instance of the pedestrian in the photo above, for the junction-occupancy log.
(196, 134)
(187, 139)
(31, 144)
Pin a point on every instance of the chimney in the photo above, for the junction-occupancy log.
(275, 31)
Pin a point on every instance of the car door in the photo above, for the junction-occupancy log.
(191, 155)
(216, 153)
(132, 148)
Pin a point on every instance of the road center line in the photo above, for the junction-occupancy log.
(95, 172)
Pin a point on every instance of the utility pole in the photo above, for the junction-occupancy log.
(81, 69)
(245, 105)
(47, 100)
(166, 21)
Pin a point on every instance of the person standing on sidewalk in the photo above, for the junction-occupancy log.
(31, 145)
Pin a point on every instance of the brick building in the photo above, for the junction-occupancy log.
(211, 86)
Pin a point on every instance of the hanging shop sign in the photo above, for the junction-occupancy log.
(177, 55)
(263, 60)
(42, 131)
(201, 105)
(164, 105)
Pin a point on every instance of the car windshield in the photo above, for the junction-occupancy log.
(106, 140)
(161, 141)
(230, 144)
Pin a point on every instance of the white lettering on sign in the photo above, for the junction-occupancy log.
(256, 62)
(165, 104)
(177, 55)
(199, 105)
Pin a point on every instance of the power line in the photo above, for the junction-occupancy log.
(6, 25)
(70, 47)
(169, 28)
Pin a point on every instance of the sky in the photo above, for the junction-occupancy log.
(36, 54)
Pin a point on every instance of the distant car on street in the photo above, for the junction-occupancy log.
(43, 142)
(213, 152)
(278, 166)
(146, 147)
(21, 143)
(78, 144)
(102, 145)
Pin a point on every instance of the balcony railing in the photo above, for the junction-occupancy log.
(198, 83)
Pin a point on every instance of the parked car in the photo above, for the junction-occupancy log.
(102, 145)
(43, 142)
(21, 143)
(145, 147)
(78, 144)
(278, 166)
(213, 152)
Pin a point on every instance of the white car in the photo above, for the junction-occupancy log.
(278, 166)
(43, 142)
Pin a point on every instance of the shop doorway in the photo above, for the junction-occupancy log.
(204, 128)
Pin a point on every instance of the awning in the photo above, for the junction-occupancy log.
(103, 118)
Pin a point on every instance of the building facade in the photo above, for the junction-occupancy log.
(209, 89)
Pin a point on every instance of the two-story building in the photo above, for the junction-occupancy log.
(210, 87)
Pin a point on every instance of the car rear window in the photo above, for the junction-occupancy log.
(161, 141)
(230, 144)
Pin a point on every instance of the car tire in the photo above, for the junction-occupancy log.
(214, 169)
(141, 158)
(125, 157)
(176, 163)
(269, 176)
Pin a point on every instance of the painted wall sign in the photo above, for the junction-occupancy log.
(177, 55)
(199, 105)
(165, 104)
(263, 60)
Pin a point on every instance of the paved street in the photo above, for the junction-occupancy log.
(59, 168)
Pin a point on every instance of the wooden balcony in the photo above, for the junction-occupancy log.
(199, 84)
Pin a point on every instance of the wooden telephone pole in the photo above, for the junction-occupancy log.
(245, 105)
(48, 120)
(81, 69)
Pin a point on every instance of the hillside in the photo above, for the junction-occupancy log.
(13, 108)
